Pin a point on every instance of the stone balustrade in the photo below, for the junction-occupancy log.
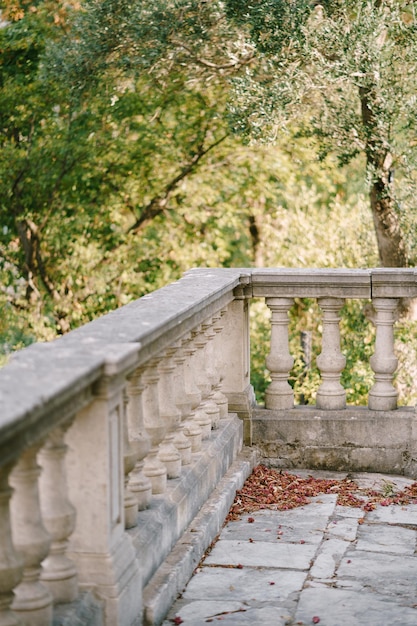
(114, 437)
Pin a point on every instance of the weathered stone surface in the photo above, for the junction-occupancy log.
(353, 439)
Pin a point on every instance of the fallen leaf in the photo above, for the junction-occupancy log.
(315, 619)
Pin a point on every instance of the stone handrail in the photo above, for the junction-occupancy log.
(96, 425)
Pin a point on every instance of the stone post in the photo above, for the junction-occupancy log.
(33, 600)
(11, 563)
(235, 360)
(139, 484)
(279, 395)
(383, 395)
(102, 550)
(59, 517)
(331, 361)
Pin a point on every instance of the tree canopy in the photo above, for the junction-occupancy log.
(139, 138)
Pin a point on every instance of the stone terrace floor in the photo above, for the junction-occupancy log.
(317, 564)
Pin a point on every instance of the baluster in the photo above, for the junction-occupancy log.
(207, 412)
(11, 563)
(169, 413)
(218, 396)
(211, 406)
(33, 601)
(155, 427)
(279, 394)
(59, 572)
(181, 442)
(139, 484)
(383, 395)
(331, 361)
(129, 461)
(192, 429)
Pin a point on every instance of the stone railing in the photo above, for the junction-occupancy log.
(114, 437)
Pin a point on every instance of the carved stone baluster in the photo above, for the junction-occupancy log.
(331, 361)
(210, 405)
(129, 462)
(155, 427)
(207, 412)
(192, 429)
(139, 484)
(218, 396)
(33, 600)
(59, 572)
(169, 413)
(11, 563)
(279, 394)
(383, 395)
(183, 403)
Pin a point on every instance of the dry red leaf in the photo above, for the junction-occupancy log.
(315, 619)
(267, 488)
(177, 620)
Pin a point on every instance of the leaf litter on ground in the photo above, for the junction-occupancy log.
(268, 488)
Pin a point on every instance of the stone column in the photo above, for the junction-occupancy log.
(139, 484)
(383, 395)
(33, 600)
(331, 361)
(155, 427)
(59, 572)
(103, 552)
(11, 562)
(235, 361)
(169, 414)
(279, 395)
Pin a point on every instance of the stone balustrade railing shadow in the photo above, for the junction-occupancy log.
(116, 436)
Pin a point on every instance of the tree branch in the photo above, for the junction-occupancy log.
(157, 205)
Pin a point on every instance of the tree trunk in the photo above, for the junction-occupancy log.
(391, 244)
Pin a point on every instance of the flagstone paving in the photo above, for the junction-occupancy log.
(317, 564)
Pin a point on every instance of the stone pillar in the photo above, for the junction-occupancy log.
(279, 395)
(139, 484)
(235, 361)
(33, 600)
(11, 563)
(59, 572)
(169, 414)
(102, 550)
(331, 361)
(155, 427)
(383, 395)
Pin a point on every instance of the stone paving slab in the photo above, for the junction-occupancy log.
(336, 607)
(343, 566)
